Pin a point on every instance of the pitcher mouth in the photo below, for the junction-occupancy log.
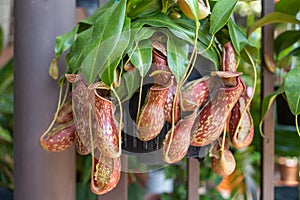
(103, 94)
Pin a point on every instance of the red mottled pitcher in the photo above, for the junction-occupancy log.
(106, 131)
(244, 135)
(222, 160)
(159, 63)
(105, 173)
(81, 96)
(59, 138)
(229, 61)
(210, 122)
(152, 117)
(195, 93)
(169, 104)
(175, 148)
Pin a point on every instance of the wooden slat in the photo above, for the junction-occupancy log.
(193, 179)
(267, 154)
(39, 174)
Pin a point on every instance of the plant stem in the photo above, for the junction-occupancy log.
(91, 129)
(66, 94)
(253, 92)
(56, 113)
(121, 119)
(297, 125)
(223, 140)
(139, 102)
(91, 138)
(186, 72)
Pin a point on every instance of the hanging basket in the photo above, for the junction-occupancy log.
(138, 87)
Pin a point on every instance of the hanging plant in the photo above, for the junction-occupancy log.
(147, 50)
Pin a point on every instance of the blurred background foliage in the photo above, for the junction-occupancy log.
(6, 121)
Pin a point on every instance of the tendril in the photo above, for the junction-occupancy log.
(297, 125)
(120, 122)
(188, 68)
(252, 95)
(56, 112)
(223, 140)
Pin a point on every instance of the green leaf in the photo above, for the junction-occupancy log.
(204, 39)
(75, 56)
(90, 20)
(253, 51)
(166, 4)
(105, 37)
(294, 52)
(144, 8)
(287, 6)
(220, 14)
(183, 35)
(65, 41)
(6, 104)
(177, 51)
(143, 33)
(83, 191)
(132, 80)
(142, 57)
(283, 135)
(163, 21)
(292, 89)
(274, 17)
(87, 169)
(238, 38)
(5, 135)
(121, 89)
(135, 191)
(266, 104)
(283, 62)
(114, 59)
(6, 76)
(285, 40)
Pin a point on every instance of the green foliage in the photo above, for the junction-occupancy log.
(287, 6)
(135, 191)
(179, 174)
(283, 135)
(220, 14)
(100, 44)
(129, 84)
(83, 170)
(142, 57)
(103, 41)
(286, 46)
(177, 55)
(142, 8)
(292, 90)
(267, 103)
(274, 17)
(65, 41)
(112, 61)
(6, 125)
(285, 40)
